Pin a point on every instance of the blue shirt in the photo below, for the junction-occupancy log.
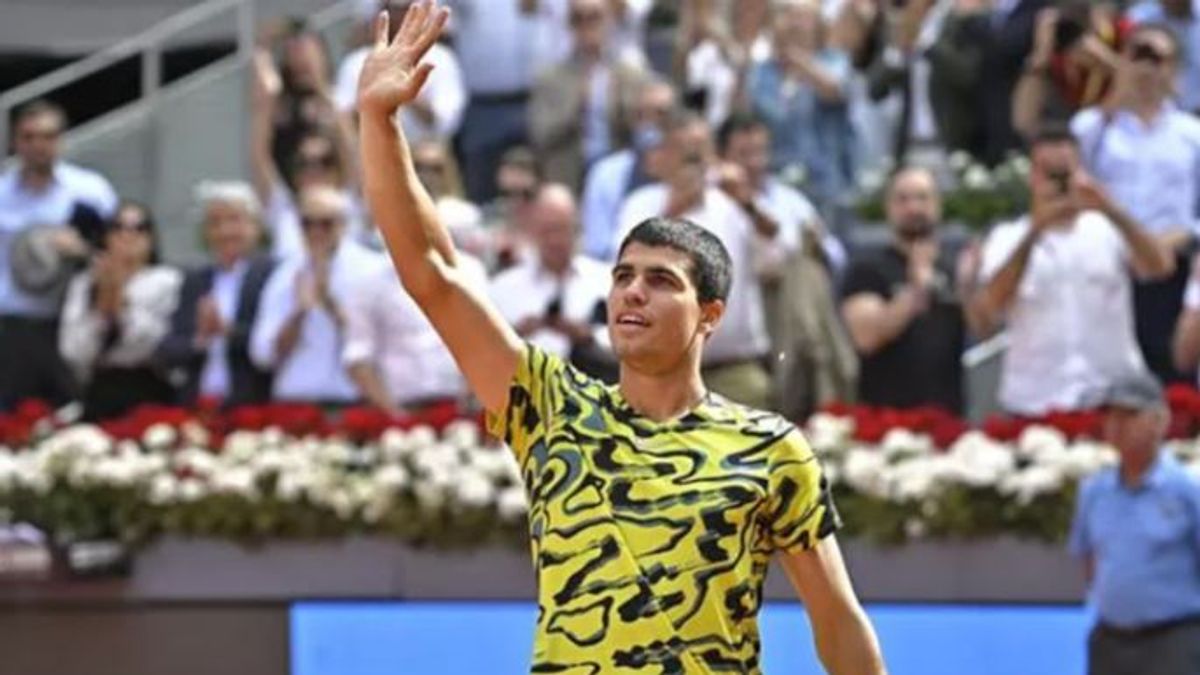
(21, 208)
(1144, 542)
(603, 193)
(1152, 170)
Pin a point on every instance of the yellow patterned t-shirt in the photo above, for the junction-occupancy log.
(652, 540)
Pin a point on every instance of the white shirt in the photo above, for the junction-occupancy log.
(526, 290)
(1070, 328)
(21, 209)
(794, 214)
(226, 291)
(444, 93)
(150, 297)
(282, 218)
(1152, 170)
(709, 70)
(313, 371)
(742, 333)
(386, 328)
(502, 50)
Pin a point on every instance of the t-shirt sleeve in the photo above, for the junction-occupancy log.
(533, 395)
(800, 505)
(864, 277)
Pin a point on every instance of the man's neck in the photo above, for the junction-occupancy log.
(664, 396)
(36, 179)
(1148, 110)
(1132, 475)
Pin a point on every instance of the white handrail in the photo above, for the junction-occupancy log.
(147, 43)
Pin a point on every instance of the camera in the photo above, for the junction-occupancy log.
(1061, 178)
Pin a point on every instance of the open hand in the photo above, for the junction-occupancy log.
(394, 74)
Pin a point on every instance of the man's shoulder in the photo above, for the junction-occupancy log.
(513, 278)
(83, 179)
(614, 163)
(750, 421)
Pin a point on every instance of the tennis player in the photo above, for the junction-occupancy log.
(655, 507)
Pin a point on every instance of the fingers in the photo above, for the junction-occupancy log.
(433, 29)
(421, 75)
(381, 30)
(414, 18)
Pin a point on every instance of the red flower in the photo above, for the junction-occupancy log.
(364, 424)
(32, 411)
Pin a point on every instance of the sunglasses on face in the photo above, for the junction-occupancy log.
(519, 195)
(584, 18)
(315, 162)
(139, 226)
(327, 223)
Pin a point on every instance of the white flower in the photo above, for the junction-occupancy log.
(914, 479)
(242, 444)
(959, 160)
(195, 433)
(392, 478)
(159, 436)
(827, 433)
(462, 434)
(163, 489)
(1021, 165)
(422, 436)
(1034, 481)
(474, 489)
(395, 445)
(237, 480)
(191, 490)
(915, 528)
(978, 461)
(272, 437)
(977, 178)
(1041, 442)
(864, 471)
(902, 441)
(511, 504)
(431, 491)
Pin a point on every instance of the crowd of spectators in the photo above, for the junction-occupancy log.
(549, 128)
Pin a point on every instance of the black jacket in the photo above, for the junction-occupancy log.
(248, 384)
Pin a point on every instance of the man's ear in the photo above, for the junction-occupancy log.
(710, 316)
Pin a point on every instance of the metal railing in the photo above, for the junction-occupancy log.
(147, 46)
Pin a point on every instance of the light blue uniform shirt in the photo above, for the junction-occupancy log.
(1145, 544)
(21, 209)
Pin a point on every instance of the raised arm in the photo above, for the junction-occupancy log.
(486, 349)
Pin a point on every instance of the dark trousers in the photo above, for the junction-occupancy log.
(1171, 649)
(30, 365)
(491, 126)
(1157, 305)
(113, 392)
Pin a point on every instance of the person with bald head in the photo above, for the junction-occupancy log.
(556, 300)
(903, 305)
(298, 333)
(576, 114)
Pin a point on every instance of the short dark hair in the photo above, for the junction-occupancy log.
(523, 158)
(737, 123)
(711, 268)
(1052, 133)
(1163, 29)
(37, 109)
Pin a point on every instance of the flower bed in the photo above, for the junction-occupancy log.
(433, 479)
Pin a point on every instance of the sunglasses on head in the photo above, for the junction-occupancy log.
(323, 222)
(1147, 53)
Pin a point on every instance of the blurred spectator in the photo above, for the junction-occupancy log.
(735, 353)
(303, 101)
(904, 305)
(899, 79)
(300, 328)
(1058, 274)
(1005, 53)
(815, 362)
(519, 179)
(955, 65)
(557, 301)
(801, 92)
(1183, 18)
(115, 316)
(501, 45)
(629, 29)
(575, 116)
(745, 146)
(1146, 152)
(392, 352)
(439, 174)
(1135, 531)
(1185, 346)
(1073, 64)
(321, 155)
(40, 195)
(612, 178)
(209, 342)
(710, 62)
(437, 111)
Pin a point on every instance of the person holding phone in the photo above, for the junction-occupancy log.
(1059, 279)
